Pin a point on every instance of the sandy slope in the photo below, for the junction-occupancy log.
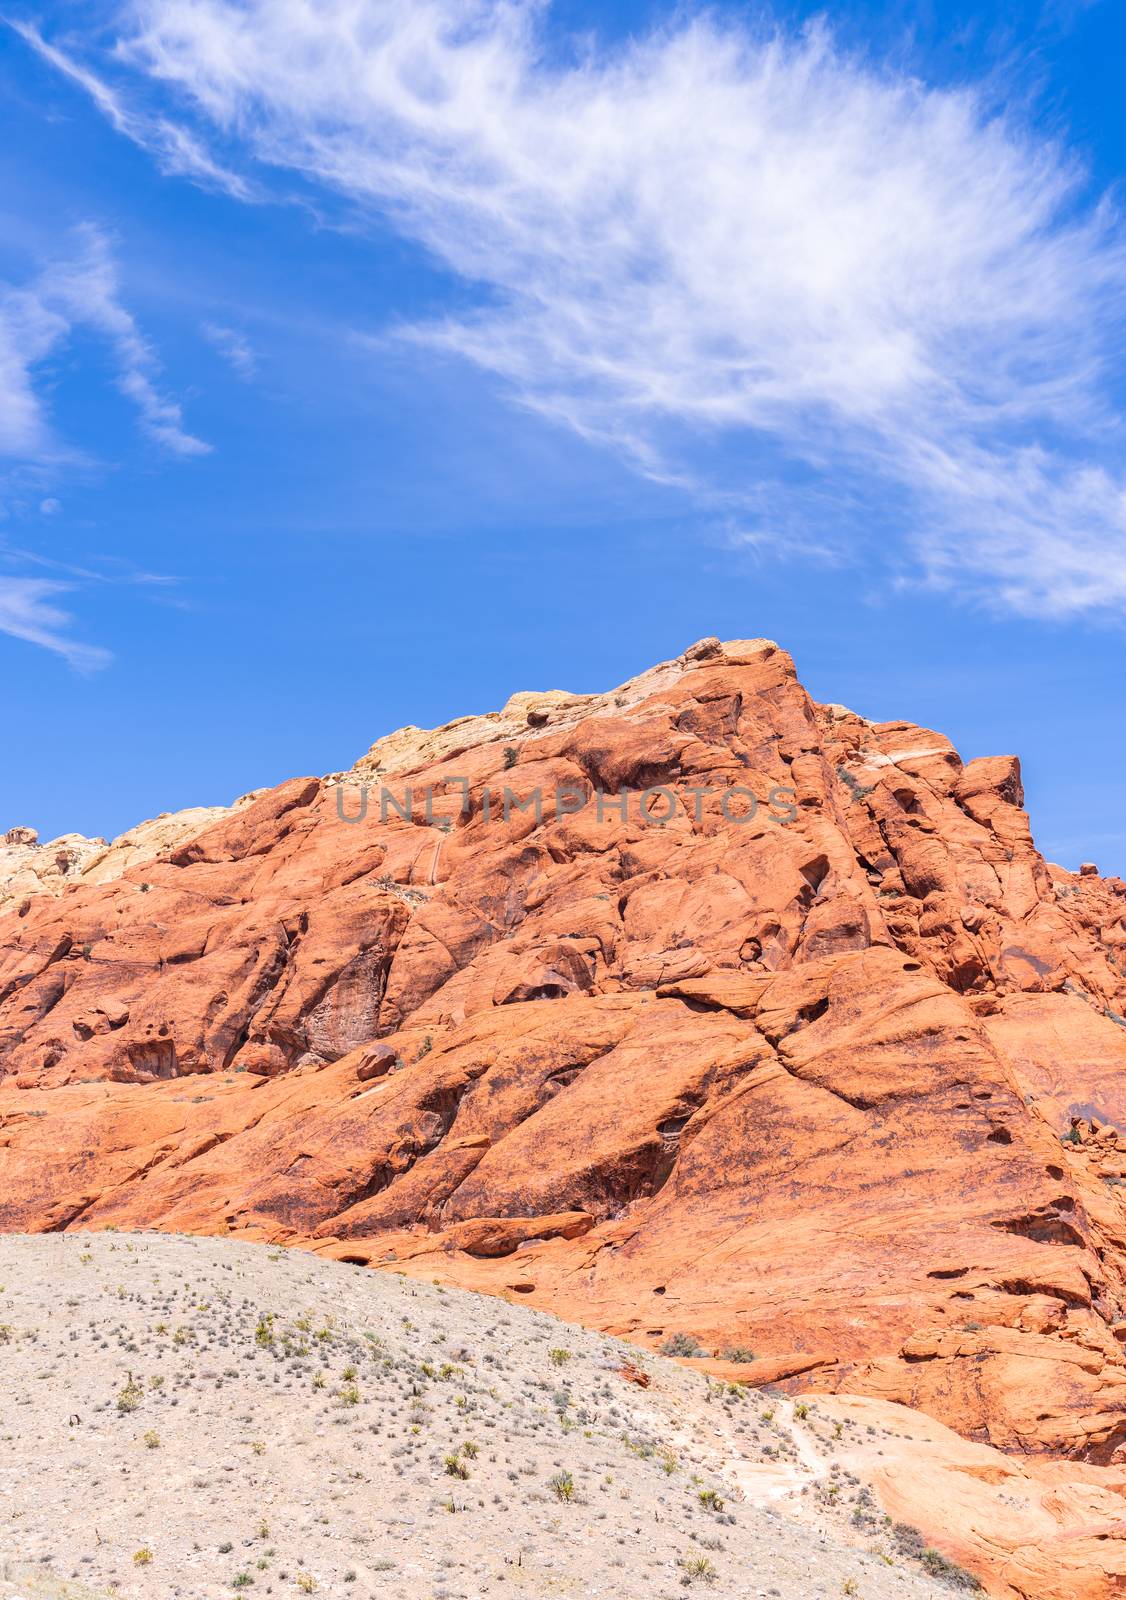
(190, 1417)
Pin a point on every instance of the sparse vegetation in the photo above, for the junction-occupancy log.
(351, 1396)
(682, 1344)
(910, 1542)
(130, 1395)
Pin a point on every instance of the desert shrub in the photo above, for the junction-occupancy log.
(910, 1542)
(130, 1397)
(682, 1344)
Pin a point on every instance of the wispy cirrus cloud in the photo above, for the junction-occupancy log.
(28, 612)
(85, 291)
(29, 330)
(78, 291)
(872, 290)
(177, 149)
(234, 347)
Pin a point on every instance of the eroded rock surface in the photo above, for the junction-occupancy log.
(839, 1083)
(29, 866)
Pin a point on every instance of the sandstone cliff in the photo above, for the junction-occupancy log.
(29, 867)
(838, 1082)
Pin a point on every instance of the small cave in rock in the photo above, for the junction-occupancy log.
(815, 872)
(671, 1127)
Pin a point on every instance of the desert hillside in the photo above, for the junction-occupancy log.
(189, 1418)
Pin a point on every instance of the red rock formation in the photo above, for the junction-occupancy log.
(839, 1082)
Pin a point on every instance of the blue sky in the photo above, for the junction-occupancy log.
(355, 378)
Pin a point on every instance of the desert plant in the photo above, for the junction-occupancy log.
(700, 1567)
(682, 1344)
(954, 1577)
(910, 1542)
(130, 1396)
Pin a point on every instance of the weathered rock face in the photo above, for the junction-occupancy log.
(837, 1082)
(29, 867)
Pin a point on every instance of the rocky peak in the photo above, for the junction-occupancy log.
(776, 1034)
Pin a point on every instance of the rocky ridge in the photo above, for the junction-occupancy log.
(29, 867)
(838, 1083)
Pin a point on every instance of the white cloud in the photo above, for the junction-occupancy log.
(176, 148)
(717, 234)
(26, 613)
(29, 330)
(85, 291)
(78, 292)
(234, 347)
